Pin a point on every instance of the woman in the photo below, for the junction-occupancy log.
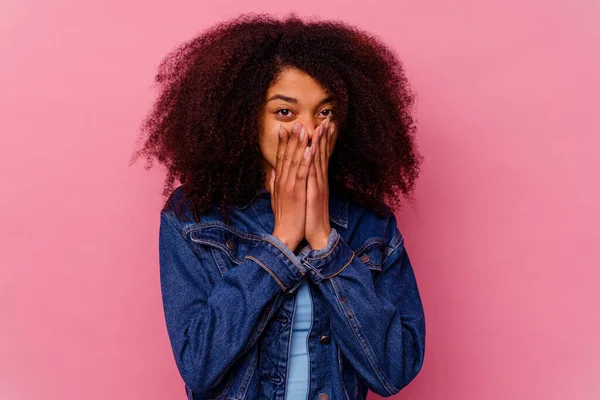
(283, 272)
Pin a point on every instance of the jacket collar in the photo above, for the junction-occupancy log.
(338, 206)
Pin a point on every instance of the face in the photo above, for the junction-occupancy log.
(295, 97)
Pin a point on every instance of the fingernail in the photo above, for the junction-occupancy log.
(305, 152)
(302, 133)
(296, 126)
(280, 130)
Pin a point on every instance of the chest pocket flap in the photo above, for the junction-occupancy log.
(230, 241)
(371, 252)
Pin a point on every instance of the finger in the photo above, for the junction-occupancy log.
(281, 145)
(317, 139)
(323, 152)
(323, 146)
(298, 156)
(272, 181)
(288, 154)
(312, 171)
(327, 137)
(328, 152)
(305, 163)
(332, 139)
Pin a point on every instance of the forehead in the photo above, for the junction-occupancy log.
(296, 83)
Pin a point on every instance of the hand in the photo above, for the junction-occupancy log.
(288, 186)
(317, 228)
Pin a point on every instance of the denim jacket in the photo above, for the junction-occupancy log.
(228, 291)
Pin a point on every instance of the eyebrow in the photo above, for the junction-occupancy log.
(295, 101)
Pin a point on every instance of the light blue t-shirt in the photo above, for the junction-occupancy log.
(297, 384)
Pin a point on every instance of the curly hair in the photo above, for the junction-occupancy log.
(204, 126)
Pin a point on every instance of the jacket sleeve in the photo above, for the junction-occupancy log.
(379, 326)
(211, 326)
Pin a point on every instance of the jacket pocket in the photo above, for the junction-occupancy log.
(371, 252)
(229, 245)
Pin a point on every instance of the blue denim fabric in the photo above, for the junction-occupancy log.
(228, 291)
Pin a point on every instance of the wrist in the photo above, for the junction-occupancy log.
(319, 243)
(290, 244)
(320, 240)
(328, 261)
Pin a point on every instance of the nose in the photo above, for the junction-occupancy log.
(310, 125)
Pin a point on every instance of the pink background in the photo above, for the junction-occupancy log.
(504, 241)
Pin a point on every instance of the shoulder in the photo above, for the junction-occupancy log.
(174, 197)
(178, 208)
(372, 234)
(380, 222)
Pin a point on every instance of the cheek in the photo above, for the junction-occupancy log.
(269, 140)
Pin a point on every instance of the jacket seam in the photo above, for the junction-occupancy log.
(248, 376)
(292, 261)
(321, 276)
(341, 269)
(173, 224)
(262, 324)
(339, 358)
(360, 338)
(328, 253)
(337, 240)
(268, 270)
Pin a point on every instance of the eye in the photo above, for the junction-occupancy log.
(283, 109)
(286, 112)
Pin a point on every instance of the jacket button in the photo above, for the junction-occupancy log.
(323, 396)
(365, 258)
(325, 340)
(230, 244)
